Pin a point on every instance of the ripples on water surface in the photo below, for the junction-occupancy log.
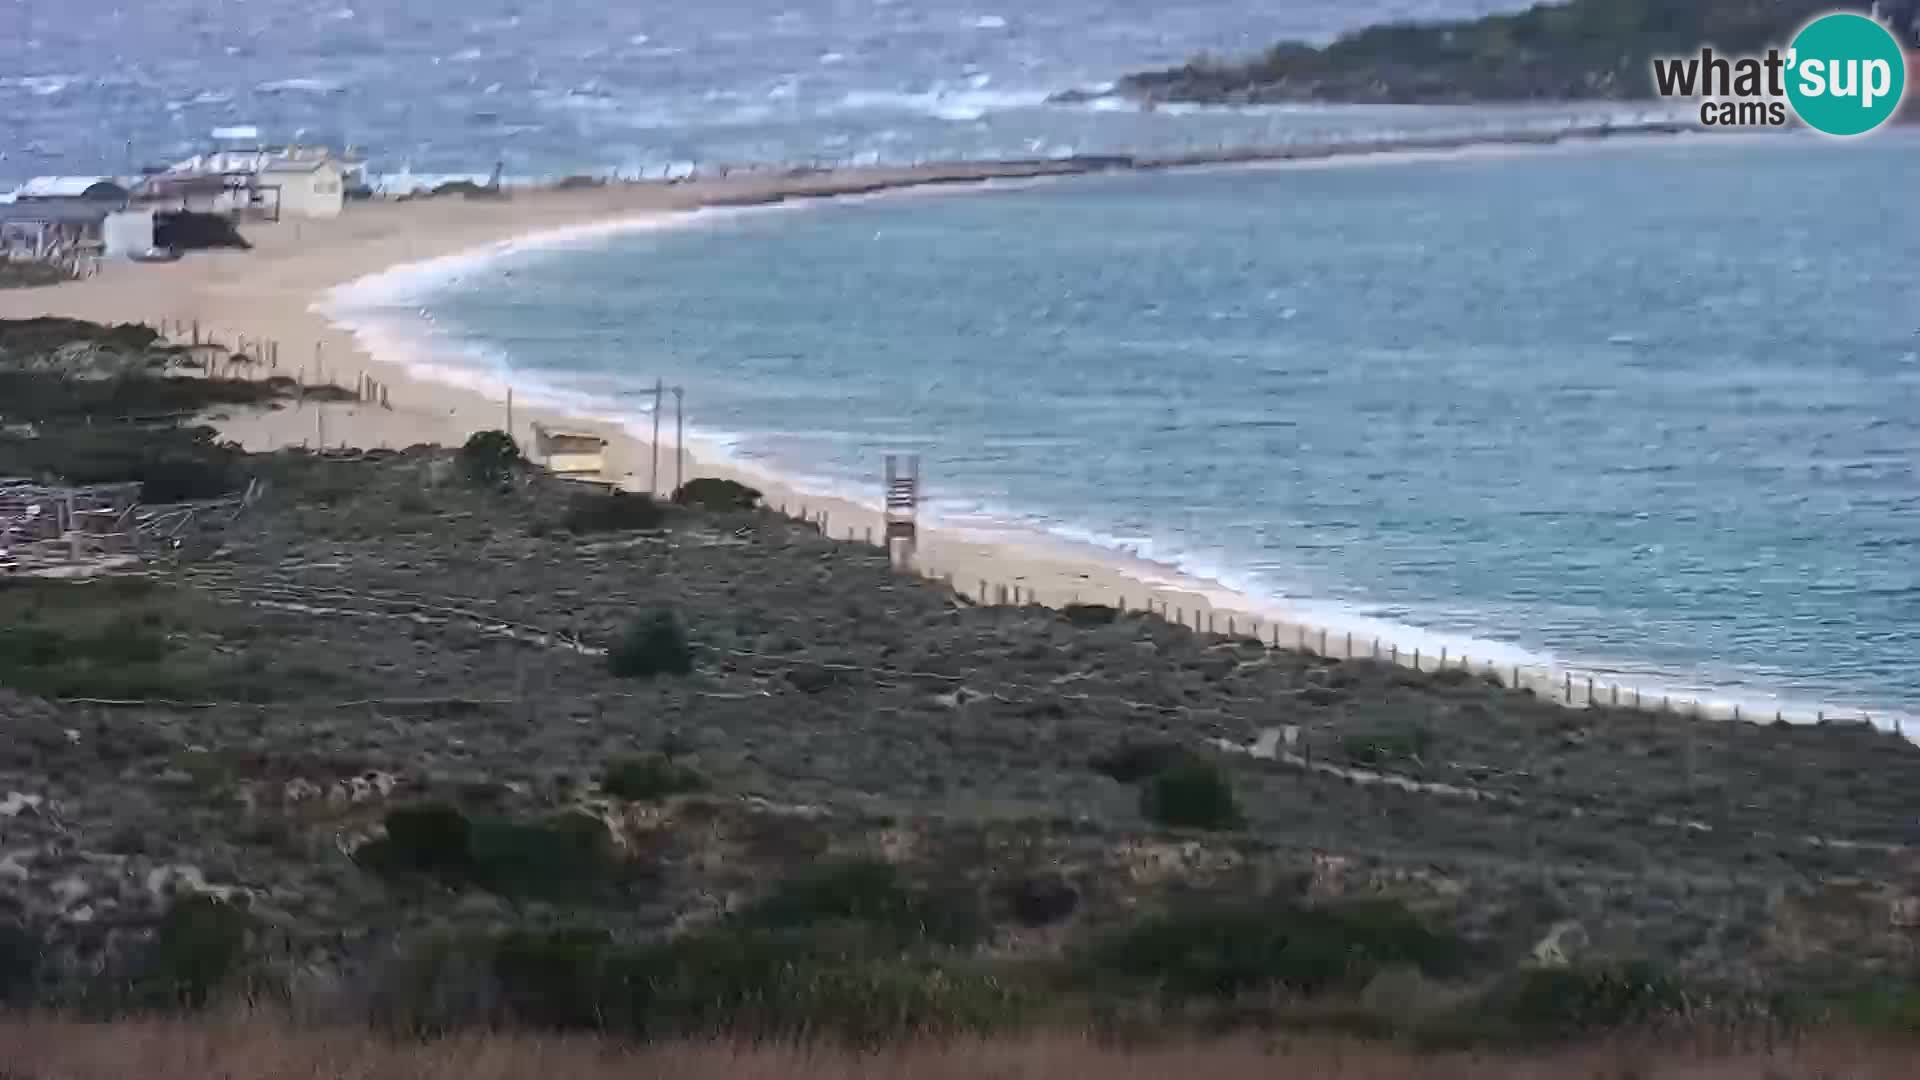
(568, 85)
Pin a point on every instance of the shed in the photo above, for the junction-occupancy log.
(571, 454)
(102, 189)
(126, 233)
(314, 188)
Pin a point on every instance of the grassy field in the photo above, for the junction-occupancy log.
(237, 1048)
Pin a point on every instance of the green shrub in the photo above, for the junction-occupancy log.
(21, 954)
(489, 458)
(111, 638)
(714, 493)
(1894, 1008)
(617, 511)
(568, 855)
(199, 948)
(655, 644)
(1560, 1003)
(1132, 762)
(874, 894)
(1383, 747)
(553, 979)
(1089, 615)
(744, 983)
(1224, 951)
(430, 838)
(1191, 795)
(649, 778)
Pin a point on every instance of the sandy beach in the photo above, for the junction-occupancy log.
(269, 294)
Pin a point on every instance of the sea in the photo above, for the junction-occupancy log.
(1646, 409)
(431, 89)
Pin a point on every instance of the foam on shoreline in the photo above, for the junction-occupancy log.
(370, 307)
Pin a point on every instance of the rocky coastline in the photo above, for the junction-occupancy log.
(1582, 51)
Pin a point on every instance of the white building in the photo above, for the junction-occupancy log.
(275, 181)
(126, 234)
(310, 189)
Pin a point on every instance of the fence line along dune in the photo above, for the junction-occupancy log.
(239, 1048)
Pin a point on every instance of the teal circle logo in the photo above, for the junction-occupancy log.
(1846, 74)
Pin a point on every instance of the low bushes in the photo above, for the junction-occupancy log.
(655, 644)
(617, 511)
(199, 949)
(1549, 1004)
(568, 855)
(1385, 747)
(489, 458)
(875, 895)
(171, 464)
(1132, 762)
(650, 778)
(1089, 615)
(713, 493)
(1178, 787)
(64, 639)
(1224, 951)
(747, 983)
(1191, 795)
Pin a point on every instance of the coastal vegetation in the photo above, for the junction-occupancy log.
(1573, 51)
(373, 751)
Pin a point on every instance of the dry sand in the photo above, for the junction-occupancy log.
(269, 293)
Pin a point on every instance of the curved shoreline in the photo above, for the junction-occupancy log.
(1033, 566)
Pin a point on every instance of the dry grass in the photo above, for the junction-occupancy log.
(36, 1048)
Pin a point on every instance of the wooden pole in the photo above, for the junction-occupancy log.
(679, 437)
(653, 486)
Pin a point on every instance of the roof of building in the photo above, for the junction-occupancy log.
(70, 187)
(172, 185)
(299, 165)
(55, 213)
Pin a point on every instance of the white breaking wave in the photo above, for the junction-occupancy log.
(971, 103)
(301, 86)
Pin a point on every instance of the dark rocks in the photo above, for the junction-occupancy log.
(1581, 50)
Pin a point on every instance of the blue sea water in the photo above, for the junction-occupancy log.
(1648, 409)
(433, 87)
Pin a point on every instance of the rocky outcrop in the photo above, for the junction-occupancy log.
(1584, 50)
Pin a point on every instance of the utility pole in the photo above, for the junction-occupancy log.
(659, 389)
(509, 412)
(679, 438)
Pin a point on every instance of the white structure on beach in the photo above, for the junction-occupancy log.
(572, 455)
(307, 188)
(294, 181)
(126, 234)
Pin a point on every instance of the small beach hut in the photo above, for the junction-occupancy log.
(573, 455)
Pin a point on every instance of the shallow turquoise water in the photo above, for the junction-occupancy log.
(1653, 410)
